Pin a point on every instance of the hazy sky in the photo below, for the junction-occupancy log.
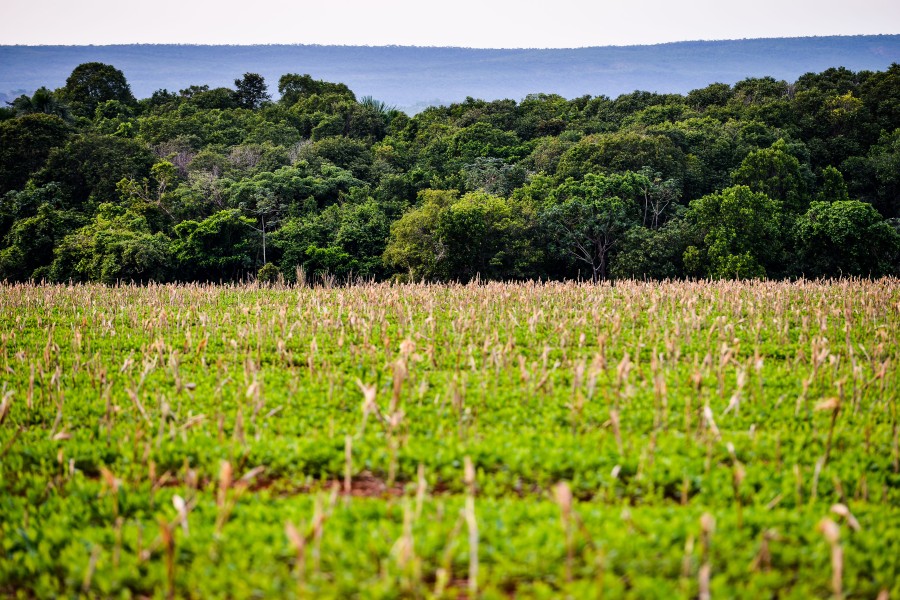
(473, 23)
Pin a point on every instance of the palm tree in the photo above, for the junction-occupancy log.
(42, 101)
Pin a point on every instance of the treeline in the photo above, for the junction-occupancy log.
(765, 178)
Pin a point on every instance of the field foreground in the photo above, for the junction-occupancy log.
(502, 440)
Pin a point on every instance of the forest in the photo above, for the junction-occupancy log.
(761, 179)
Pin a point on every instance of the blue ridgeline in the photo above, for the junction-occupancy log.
(412, 78)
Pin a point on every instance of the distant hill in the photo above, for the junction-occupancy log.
(414, 77)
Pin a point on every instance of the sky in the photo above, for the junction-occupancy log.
(467, 23)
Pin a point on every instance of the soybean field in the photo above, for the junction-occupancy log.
(491, 440)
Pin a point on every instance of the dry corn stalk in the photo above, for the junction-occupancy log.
(225, 478)
(5, 405)
(833, 405)
(473, 527)
(369, 405)
(348, 465)
(707, 528)
(842, 511)
(168, 540)
(563, 495)
(421, 490)
(298, 541)
(832, 534)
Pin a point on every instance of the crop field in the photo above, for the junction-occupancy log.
(636, 440)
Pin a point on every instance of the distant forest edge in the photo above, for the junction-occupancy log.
(766, 178)
(412, 78)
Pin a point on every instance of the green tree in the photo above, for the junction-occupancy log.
(713, 149)
(540, 115)
(268, 274)
(342, 240)
(546, 154)
(18, 205)
(301, 187)
(715, 94)
(778, 174)
(740, 231)
(114, 118)
(587, 222)
(759, 90)
(89, 167)
(653, 253)
(352, 155)
(221, 247)
(293, 88)
(415, 245)
(268, 209)
(92, 83)
(880, 92)
(846, 237)
(832, 187)
(622, 151)
(370, 119)
(494, 176)
(451, 238)
(160, 101)
(488, 236)
(363, 234)
(251, 91)
(31, 241)
(117, 246)
(25, 144)
(153, 197)
(42, 101)
(220, 98)
(883, 162)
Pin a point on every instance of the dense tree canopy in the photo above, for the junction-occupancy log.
(763, 178)
(25, 143)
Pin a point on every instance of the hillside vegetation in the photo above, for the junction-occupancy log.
(765, 178)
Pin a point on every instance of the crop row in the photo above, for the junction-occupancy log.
(642, 439)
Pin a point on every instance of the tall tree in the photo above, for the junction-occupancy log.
(252, 91)
(448, 237)
(222, 246)
(588, 222)
(846, 237)
(294, 87)
(92, 83)
(25, 144)
(741, 233)
(778, 174)
(117, 246)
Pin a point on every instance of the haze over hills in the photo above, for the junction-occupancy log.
(414, 77)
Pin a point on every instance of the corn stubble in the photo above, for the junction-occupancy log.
(696, 439)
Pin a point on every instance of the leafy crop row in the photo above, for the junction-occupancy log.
(499, 440)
